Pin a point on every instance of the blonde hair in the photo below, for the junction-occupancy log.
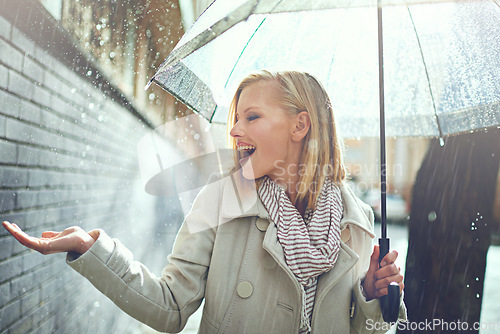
(321, 154)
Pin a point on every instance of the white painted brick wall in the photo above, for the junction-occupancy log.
(68, 156)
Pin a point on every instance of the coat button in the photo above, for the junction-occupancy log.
(262, 224)
(244, 289)
(345, 235)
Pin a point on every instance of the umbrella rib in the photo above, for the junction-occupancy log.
(426, 75)
(242, 51)
(236, 63)
(248, 42)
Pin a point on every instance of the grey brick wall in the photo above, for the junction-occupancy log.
(68, 156)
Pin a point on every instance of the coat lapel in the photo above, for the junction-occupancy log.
(237, 203)
(346, 260)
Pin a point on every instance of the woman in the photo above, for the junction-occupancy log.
(296, 260)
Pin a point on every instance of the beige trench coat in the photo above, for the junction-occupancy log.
(235, 262)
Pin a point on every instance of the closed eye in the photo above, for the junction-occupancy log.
(251, 118)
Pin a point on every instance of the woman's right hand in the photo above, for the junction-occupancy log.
(72, 239)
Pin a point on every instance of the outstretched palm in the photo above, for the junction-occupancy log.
(72, 239)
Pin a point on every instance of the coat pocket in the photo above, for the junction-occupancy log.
(285, 306)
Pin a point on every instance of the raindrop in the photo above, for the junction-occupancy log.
(100, 118)
(83, 115)
(477, 279)
(84, 154)
(152, 96)
(196, 136)
(73, 90)
(441, 141)
(89, 73)
(468, 285)
(96, 304)
(112, 54)
(87, 148)
(432, 216)
(477, 296)
(91, 106)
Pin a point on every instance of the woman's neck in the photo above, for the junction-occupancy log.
(291, 185)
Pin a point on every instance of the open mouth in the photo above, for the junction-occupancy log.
(246, 150)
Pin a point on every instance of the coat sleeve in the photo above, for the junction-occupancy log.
(163, 303)
(366, 316)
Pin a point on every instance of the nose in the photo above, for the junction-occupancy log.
(236, 131)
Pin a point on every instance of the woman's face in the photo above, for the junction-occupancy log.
(263, 133)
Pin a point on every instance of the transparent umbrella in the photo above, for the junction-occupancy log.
(434, 71)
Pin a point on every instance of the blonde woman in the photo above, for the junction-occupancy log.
(297, 260)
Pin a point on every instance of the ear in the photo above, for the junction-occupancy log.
(301, 126)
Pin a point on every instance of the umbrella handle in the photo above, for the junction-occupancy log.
(389, 303)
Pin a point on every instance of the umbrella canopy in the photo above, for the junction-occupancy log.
(441, 60)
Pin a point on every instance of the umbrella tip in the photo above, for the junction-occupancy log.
(441, 141)
(149, 83)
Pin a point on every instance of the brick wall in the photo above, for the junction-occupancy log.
(68, 156)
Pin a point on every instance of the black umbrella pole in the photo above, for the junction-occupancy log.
(390, 302)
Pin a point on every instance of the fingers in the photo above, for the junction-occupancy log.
(385, 291)
(385, 276)
(51, 242)
(17, 233)
(389, 258)
(388, 272)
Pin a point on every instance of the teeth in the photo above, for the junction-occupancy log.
(246, 147)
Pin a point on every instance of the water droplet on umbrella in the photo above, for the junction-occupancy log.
(432, 216)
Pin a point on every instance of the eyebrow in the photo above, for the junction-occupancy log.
(247, 110)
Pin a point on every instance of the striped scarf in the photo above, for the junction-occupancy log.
(310, 248)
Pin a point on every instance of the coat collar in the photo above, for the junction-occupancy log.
(237, 203)
(240, 202)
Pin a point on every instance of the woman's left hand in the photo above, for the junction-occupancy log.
(380, 276)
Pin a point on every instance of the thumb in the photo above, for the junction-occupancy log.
(94, 234)
(50, 234)
(374, 259)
